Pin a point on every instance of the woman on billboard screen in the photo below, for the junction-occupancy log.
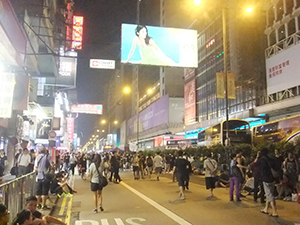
(150, 52)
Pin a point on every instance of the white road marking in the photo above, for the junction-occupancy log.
(167, 212)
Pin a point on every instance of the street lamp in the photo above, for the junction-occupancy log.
(114, 122)
(225, 46)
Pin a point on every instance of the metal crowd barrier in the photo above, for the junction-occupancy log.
(14, 192)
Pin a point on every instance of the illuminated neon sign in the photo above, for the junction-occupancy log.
(77, 32)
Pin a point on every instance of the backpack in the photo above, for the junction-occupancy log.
(149, 161)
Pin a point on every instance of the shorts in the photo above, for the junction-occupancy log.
(43, 187)
(136, 168)
(96, 187)
(158, 169)
(269, 191)
(181, 178)
(210, 182)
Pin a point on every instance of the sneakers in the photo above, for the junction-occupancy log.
(101, 208)
(182, 197)
(45, 207)
(95, 211)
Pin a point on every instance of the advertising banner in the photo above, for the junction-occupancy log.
(159, 46)
(283, 70)
(220, 85)
(87, 108)
(102, 64)
(231, 85)
(190, 102)
(154, 115)
(6, 94)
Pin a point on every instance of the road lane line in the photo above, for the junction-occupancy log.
(63, 205)
(167, 212)
(69, 211)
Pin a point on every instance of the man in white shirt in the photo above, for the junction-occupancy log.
(211, 169)
(23, 162)
(158, 163)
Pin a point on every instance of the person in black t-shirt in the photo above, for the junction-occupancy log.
(38, 217)
(181, 166)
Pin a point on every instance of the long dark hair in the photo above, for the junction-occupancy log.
(97, 160)
(137, 30)
(22, 217)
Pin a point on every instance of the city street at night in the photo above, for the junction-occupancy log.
(152, 202)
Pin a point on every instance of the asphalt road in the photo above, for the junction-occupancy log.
(151, 202)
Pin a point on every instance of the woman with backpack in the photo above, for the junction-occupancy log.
(149, 164)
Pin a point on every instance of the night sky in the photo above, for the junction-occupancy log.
(101, 40)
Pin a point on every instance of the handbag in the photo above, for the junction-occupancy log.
(102, 179)
(14, 170)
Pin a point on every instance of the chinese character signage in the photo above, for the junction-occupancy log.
(283, 70)
(70, 129)
(87, 108)
(77, 32)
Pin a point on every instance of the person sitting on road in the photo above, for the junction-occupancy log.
(223, 179)
(60, 185)
(38, 217)
(4, 215)
(23, 218)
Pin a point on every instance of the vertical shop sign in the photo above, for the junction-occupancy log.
(190, 102)
(70, 129)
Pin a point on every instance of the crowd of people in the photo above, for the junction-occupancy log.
(265, 178)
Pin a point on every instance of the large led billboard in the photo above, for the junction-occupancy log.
(283, 70)
(160, 46)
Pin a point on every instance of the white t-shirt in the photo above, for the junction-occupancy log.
(209, 166)
(94, 173)
(157, 161)
(24, 159)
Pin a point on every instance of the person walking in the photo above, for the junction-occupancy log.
(23, 162)
(42, 164)
(96, 169)
(266, 164)
(73, 162)
(149, 164)
(158, 163)
(115, 166)
(181, 166)
(211, 168)
(135, 166)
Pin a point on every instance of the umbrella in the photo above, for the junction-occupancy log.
(116, 150)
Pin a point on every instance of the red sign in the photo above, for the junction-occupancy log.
(188, 73)
(190, 102)
(77, 32)
(87, 108)
(70, 129)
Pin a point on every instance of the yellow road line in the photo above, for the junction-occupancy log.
(63, 205)
(69, 211)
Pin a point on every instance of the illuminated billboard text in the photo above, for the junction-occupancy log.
(159, 46)
(87, 108)
(77, 32)
(102, 64)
